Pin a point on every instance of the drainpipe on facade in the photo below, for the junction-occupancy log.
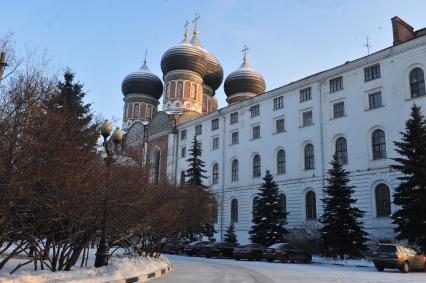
(175, 153)
(222, 197)
(322, 88)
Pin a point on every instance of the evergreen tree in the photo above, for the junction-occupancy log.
(230, 235)
(342, 231)
(268, 215)
(410, 195)
(194, 174)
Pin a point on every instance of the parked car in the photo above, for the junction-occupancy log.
(398, 256)
(194, 248)
(174, 246)
(250, 251)
(218, 249)
(285, 252)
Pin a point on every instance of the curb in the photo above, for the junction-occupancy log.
(144, 277)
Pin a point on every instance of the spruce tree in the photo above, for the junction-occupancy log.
(269, 218)
(410, 195)
(342, 231)
(194, 174)
(230, 235)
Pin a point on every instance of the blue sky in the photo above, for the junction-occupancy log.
(103, 41)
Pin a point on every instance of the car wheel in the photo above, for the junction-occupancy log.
(405, 268)
(308, 259)
(270, 260)
(285, 258)
(379, 268)
(179, 252)
(207, 256)
(220, 255)
(237, 258)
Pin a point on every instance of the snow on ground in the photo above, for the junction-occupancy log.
(118, 268)
(349, 262)
(197, 269)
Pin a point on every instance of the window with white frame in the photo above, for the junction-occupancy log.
(234, 118)
(256, 132)
(215, 143)
(372, 72)
(198, 129)
(254, 111)
(183, 135)
(215, 173)
(338, 110)
(278, 102)
(336, 84)
(234, 138)
(234, 170)
(183, 152)
(375, 100)
(256, 166)
(279, 125)
(280, 162)
(307, 118)
(215, 124)
(305, 94)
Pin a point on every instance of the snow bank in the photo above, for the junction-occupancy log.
(118, 268)
(349, 262)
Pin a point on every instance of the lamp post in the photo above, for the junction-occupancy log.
(102, 253)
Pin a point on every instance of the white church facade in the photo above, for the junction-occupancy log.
(355, 111)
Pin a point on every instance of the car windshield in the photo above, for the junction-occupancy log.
(276, 246)
(386, 249)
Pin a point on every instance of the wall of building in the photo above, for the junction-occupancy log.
(356, 126)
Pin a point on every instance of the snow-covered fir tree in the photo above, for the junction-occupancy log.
(410, 195)
(269, 217)
(342, 231)
(230, 235)
(195, 173)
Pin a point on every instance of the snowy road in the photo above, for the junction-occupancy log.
(195, 269)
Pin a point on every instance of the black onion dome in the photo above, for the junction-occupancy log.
(142, 82)
(244, 79)
(214, 76)
(184, 56)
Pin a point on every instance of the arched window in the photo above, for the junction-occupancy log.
(234, 170)
(156, 167)
(341, 151)
(234, 211)
(182, 178)
(311, 206)
(180, 89)
(281, 161)
(148, 112)
(136, 110)
(378, 144)
(283, 204)
(215, 175)
(309, 157)
(255, 200)
(256, 166)
(417, 83)
(383, 202)
(129, 111)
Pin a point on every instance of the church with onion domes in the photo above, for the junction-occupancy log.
(354, 111)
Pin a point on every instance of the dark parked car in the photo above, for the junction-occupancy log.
(250, 251)
(174, 246)
(285, 252)
(397, 256)
(219, 250)
(194, 248)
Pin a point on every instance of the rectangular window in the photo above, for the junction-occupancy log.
(375, 100)
(256, 132)
(338, 110)
(198, 130)
(307, 118)
(278, 102)
(254, 111)
(183, 135)
(234, 138)
(305, 94)
(279, 126)
(234, 118)
(336, 84)
(215, 124)
(183, 152)
(372, 73)
(215, 143)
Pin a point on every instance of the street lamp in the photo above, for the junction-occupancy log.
(102, 253)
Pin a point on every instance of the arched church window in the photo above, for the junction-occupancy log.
(180, 89)
(136, 111)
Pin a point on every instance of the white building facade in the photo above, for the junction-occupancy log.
(355, 110)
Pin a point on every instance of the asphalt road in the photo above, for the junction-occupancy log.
(196, 269)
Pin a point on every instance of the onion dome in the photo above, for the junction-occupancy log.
(244, 80)
(184, 56)
(142, 82)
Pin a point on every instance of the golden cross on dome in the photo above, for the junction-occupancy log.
(195, 22)
(245, 49)
(186, 28)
